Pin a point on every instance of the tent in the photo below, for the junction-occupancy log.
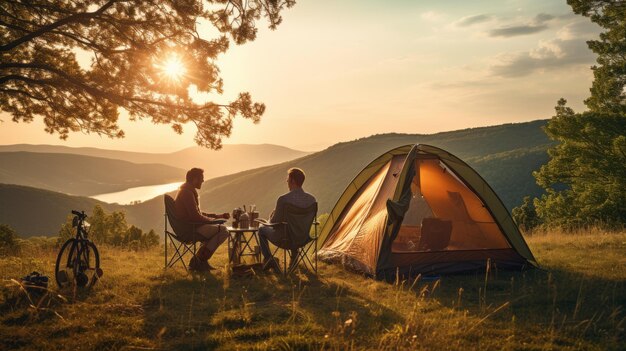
(419, 209)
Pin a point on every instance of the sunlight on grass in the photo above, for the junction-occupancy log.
(570, 305)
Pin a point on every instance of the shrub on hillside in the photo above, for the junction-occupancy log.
(136, 239)
(8, 240)
(525, 215)
(30, 246)
(112, 229)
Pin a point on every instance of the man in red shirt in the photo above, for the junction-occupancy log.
(188, 209)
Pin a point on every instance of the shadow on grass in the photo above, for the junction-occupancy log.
(569, 306)
(259, 311)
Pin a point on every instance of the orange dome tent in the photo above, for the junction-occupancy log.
(419, 209)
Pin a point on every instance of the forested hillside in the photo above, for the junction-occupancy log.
(504, 155)
(34, 212)
(81, 175)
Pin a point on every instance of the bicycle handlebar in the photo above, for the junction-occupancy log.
(79, 214)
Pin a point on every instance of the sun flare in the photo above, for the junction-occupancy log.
(173, 68)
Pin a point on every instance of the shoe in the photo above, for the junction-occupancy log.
(197, 265)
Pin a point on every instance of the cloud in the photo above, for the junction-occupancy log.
(432, 16)
(471, 20)
(543, 17)
(538, 24)
(551, 55)
(514, 31)
(579, 29)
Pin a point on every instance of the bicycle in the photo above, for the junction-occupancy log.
(78, 262)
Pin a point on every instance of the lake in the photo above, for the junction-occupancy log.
(141, 193)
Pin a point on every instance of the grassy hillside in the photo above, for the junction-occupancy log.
(81, 175)
(32, 211)
(504, 155)
(230, 159)
(577, 303)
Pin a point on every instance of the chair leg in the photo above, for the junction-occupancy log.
(165, 239)
(284, 262)
(303, 257)
(315, 253)
(180, 250)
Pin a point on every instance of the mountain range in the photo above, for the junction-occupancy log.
(81, 175)
(230, 159)
(505, 155)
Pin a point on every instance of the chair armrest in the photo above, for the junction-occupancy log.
(265, 223)
(216, 221)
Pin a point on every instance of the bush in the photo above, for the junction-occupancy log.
(8, 240)
(135, 239)
(66, 231)
(112, 229)
(31, 245)
(525, 215)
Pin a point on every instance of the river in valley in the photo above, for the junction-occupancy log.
(141, 193)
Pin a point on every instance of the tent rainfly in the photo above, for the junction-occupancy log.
(419, 209)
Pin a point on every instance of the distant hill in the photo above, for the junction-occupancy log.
(505, 155)
(230, 159)
(510, 173)
(81, 175)
(34, 212)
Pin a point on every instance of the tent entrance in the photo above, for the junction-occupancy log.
(445, 215)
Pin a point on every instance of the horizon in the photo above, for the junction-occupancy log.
(470, 65)
(278, 145)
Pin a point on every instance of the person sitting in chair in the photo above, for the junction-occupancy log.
(187, 209)
(297, 197)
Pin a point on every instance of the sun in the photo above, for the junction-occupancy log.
(173, 68)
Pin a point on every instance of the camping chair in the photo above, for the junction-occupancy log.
(296, 235)
(183, 237)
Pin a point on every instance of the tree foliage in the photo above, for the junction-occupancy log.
(585, 178)
(8, 240)
(43, 46)
(525, 215)
(607, 90)
(111, 228)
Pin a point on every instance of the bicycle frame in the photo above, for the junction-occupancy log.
(79, 256)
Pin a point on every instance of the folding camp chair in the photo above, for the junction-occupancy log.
(183, 237)
(305, 251)
(296, 235)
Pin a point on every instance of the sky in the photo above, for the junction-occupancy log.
(340, 70)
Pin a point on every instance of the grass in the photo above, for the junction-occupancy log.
(576, 302)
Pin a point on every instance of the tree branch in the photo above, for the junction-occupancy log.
(96, 92)
(47, 28)
(10, 77)
(22, 92)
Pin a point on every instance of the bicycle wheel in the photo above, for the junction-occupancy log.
(78, 263)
